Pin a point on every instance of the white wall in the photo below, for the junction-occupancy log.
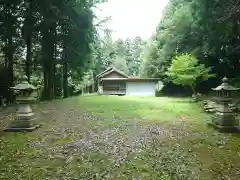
(140, 88)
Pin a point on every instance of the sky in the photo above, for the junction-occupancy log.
(130, 18)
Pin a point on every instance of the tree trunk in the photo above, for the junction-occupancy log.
(45, 66)
(9, 53)
(95, 82)
(6, 52)
(193, 89)
(65, 80)
(27, 34)
(29, 57)
(10, 59)
(57, 86)
(51, 89)
(65, 63)
(45, 77)
(65, 67)
(49, 63)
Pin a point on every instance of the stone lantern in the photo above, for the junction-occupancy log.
(24, 118)
(224, 119)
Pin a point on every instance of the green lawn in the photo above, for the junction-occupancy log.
(111, 137)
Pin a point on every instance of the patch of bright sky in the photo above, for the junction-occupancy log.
(131, 18)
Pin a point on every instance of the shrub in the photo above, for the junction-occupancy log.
(185, 70)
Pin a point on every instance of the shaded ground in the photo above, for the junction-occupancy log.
(113, 137)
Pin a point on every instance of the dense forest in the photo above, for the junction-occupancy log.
(56, 43)
(48, 40)
(209, 30)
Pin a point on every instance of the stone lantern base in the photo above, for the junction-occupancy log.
(23, 120)
(225, 122)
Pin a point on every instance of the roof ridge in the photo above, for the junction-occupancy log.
(106, 70)
(112, 70)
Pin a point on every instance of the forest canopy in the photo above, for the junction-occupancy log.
(209, 30)
(56, 43)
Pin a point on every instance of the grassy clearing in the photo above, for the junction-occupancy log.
(111, 137)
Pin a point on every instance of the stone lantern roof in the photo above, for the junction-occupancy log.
(24, 118)
(24, 85)
(225, 86)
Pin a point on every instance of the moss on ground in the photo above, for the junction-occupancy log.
(111, 137)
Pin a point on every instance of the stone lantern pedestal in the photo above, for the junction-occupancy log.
(224, 119)
(24, 118)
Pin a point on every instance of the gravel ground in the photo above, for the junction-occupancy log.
(81, 145)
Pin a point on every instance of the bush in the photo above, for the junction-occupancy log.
(185, 70)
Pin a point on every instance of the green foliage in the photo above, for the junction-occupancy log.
(121, 64)
(202, 28)
(45, 33)
(185, 70)
(38, 35)
(125, 55)
(236, 82)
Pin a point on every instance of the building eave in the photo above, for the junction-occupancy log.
(132, 79)
(108, 69)
(113, 70)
